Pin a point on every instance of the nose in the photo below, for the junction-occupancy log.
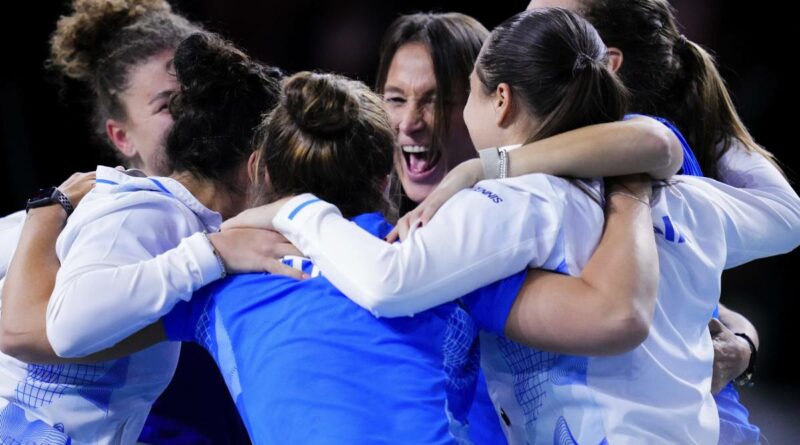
(411, 119)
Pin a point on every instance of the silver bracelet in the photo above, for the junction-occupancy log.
(629, 195)
(220, 261)
(502, 164)
(490, 158)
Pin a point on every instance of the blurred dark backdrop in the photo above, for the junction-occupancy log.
(43, 139)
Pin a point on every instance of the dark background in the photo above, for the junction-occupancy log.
(43, 139)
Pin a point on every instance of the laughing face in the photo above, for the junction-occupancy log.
(409, 98)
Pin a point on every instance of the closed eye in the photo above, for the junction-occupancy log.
(394, 100)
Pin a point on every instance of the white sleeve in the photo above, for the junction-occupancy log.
(766, 220)
(10, 230)
(755, 224)
(117, 276)
(479, 236)
(742, 168)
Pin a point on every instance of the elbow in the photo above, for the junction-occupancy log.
(381, 296)
(633, 332)
(626, 329)
(666, 149)
(381, 304)
(11, 345)
(21, 346)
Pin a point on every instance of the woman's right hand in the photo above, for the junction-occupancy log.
(77, 186)
(463, 176)
(255, 250)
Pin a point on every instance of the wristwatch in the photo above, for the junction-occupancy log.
(746, 378)
(49, 196)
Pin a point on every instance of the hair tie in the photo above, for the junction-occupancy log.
(582, 61)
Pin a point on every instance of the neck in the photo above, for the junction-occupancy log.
(519, 130)
(210, 194)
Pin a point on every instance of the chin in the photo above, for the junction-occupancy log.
(418, 192)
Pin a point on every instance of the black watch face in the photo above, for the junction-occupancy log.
(44, 194)
(42, 198)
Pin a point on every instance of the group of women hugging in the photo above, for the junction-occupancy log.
(517, 236)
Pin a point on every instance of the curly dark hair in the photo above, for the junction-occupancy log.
(223, 97)
(100, 42)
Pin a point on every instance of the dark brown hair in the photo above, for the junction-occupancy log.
(453, 41)
(101, 41)
(223, 97)
(329, 136)
(555, 62)
(670, 76)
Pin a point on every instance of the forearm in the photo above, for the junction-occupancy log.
(143, 339)
(638, 145)
(10, 231)
(93, 308)
(28, 285)
(608, 309)
(448, 258)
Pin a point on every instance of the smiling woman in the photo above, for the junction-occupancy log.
(425, 89)
(122, 51)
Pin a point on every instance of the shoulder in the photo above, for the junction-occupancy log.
(132, 207)
(129, 220)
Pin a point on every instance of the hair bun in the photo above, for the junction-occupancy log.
(82, 38)
(318, 104)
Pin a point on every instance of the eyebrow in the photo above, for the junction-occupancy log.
(397, 90)
(393, 90)
(162, 95)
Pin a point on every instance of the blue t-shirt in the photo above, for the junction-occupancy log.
(306, 365)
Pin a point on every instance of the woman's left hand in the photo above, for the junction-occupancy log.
(77, 186)
(463, 176)
(731, 355)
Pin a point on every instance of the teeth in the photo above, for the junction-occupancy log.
(415, 149)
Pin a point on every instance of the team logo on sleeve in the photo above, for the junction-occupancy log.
(670, 232)
(489, 194)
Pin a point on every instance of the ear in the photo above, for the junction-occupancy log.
(503, 104)
(614, 59)
(118, 134)
(252, 165)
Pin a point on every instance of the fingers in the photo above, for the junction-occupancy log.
(716, 386)
(285, 249)
(403, 227)
(427, 214)
(276, 267)
(407, 227)
(400, 229)
(715, 326)
(273, 243)
(250, 218)
(393, 235)
(77, 186)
